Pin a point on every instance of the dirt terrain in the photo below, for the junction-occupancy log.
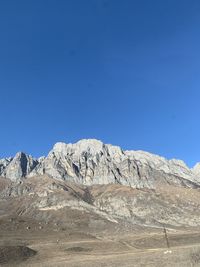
(46, 222)
(51, 246)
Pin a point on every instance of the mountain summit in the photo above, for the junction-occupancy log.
(98, 186)
(90, 162)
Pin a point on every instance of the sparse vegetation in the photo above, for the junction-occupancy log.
(78, 249)
(10, 254)
(195, 257)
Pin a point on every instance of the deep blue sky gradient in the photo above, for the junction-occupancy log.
(123, 71)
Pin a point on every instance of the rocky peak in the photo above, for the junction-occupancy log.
(19, 166)
(85, 145)
(4, 163)
(91, 144)
(90, 161)
(60, 147)
(196, 169)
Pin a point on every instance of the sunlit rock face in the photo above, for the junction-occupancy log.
(18, 167)
(4, 163)
(90, 162)
(196, 169)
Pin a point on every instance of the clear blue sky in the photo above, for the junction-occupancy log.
(123, 71)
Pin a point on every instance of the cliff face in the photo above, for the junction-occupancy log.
(18, 167)
(73, 205)
(91, 162)
(92, 183)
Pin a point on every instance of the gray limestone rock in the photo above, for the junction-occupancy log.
(4, 163)
(196, 169)
(20, 166)
(90, 162)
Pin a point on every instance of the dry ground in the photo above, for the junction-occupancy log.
(86, 238)
(56, 247)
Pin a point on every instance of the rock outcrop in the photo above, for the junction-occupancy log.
(73, 205)
(196, 169)
(92, 162)
(4, 163)
(18, 167)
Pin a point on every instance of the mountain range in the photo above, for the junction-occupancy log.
(98, 183)
(90, 162)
